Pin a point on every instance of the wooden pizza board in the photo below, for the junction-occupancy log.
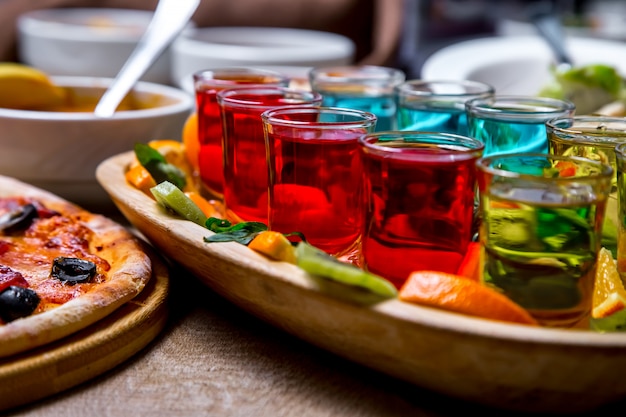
(94, 350)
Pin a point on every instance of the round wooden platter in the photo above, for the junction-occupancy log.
(502, 365)
(60, 365)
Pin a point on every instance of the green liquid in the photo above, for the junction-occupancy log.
(543, 256)
(598, 144)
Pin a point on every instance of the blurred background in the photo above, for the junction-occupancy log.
(397, 33)
(430, 25)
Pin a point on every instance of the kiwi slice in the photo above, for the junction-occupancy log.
(317, 262)
(616, 322)
(174, 199)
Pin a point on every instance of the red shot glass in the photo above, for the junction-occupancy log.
(245, 163)
(206, 84)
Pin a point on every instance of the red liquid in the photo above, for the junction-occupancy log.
(317, 187)
(420, 212)
(210, 125)
(210, 136)
(245, 166)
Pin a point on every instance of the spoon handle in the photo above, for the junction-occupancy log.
(549, 27)
(169, 19)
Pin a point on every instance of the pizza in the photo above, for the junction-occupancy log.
(62, 268)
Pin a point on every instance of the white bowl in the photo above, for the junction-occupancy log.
(59, 151)
(260, 47)
(516, 64)
(87, 42)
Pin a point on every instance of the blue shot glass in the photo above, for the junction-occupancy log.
(514, 124)
(437, 105)
(366, 88)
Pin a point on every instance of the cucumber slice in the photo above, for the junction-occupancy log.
(317, 262)
(174, 199)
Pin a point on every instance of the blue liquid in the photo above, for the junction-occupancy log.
(449, 120)
(382, 106)
(502, 137)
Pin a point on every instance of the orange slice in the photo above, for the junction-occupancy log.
(471, 264)
(274, 245)
(191, 140)
(206, 206)
(462, 295)
(609, 295)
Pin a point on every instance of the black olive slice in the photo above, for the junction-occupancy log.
(73, 270)
(19, 219)
(17, 302)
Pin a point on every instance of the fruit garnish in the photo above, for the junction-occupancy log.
(462, 295)
(203, 204)
(566, 169)
(140, 178)
(609, 296)
(274, 245)
(173, 198)
(158, 167)
(225, 231)
(191, 140)
(317, 262)
(174, 152)
(26, 88)
(471, 265)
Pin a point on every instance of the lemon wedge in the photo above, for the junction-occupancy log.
(609, 295)
(26, 88)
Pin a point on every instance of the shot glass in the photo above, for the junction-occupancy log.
(368, 88)
(419, 200)
(315, 180)
(245, 166)
(620, 155)
(514, 124)
(540, 232)
(206, 84)
(437, 105)
(592, 137)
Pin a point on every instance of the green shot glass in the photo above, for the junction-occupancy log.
(541, 228)
(592, 137)
(620, 156)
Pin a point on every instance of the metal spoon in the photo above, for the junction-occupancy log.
(169, 19)
(548, 24)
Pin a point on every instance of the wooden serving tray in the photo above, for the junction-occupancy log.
(497, 364)
(90, 352)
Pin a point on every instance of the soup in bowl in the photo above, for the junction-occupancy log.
(59, 147)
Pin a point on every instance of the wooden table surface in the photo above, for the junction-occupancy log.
(214, 359)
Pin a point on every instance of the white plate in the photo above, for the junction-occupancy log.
(516, 64)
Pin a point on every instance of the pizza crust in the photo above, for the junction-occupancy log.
(130, 271)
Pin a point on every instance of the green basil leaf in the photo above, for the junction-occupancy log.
(158, 167)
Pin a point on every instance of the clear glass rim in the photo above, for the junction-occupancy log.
(294, 96)
(460, 147)
(210, 77)
(547, 108)
(484, 164)
(356, 74)
(620, 150)
(565, 130)
(361, 118)
(417, 89)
